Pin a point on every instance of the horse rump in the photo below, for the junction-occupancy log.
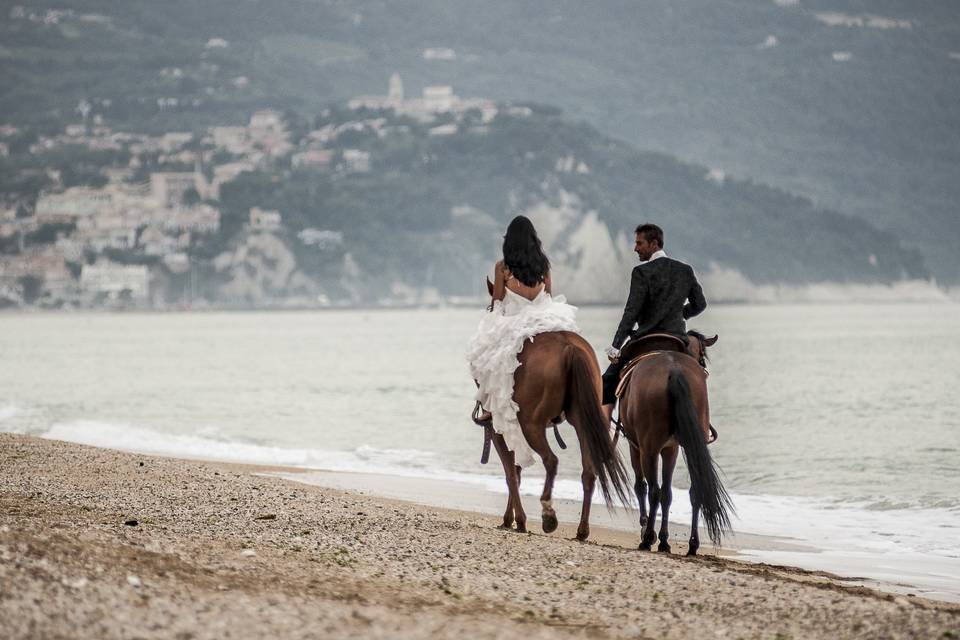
(706, 489)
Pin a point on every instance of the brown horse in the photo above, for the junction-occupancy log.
(663, 408)
(559, 375)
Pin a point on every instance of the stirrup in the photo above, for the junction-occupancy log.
(486, 423)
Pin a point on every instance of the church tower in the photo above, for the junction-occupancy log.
(396, 89)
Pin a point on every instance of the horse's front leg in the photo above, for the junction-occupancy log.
(511, 472)
(669, 458)
(588, 478)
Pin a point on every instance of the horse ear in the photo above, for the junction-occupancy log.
(489, 286)
(711, 341)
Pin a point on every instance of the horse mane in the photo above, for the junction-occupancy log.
(703, 343)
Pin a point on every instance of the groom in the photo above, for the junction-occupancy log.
(663, 293)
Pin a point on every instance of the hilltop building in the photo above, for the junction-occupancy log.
(395, 93)
(356, 161)
(72, 205)
(201, 218)
(316, 158)
(266, 133)
(169, 188)
(434, 99)
(115, 279)
(265, 219)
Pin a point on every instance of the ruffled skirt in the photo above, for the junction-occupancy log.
(492, 353)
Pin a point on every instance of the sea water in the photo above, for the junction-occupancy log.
(839, 424)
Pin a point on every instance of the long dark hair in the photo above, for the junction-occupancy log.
(523, 253)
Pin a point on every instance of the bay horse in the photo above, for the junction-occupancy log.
(664, 407)
(559, 375)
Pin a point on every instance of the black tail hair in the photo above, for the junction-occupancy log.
(705, 485)
(596, 440)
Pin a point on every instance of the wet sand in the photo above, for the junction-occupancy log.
(103, 544)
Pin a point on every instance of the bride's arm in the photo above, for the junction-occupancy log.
(548, 284)
(499, 281)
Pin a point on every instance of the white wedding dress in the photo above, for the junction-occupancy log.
(492, 354)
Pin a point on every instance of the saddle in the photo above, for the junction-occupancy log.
(645, 346)
(653, 342)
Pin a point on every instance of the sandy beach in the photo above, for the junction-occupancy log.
(102, 544)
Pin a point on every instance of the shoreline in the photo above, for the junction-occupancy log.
(101, 543)
(950, 297)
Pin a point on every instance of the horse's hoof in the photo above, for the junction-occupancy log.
(505, 526)
(663, 547)
(582, 536)
(549, 523)
(691, 552)
(521, 528)
(645, 546)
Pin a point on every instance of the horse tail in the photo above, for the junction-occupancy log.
(595, 430)
(706, 489)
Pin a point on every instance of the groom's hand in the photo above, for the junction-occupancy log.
(613, 354)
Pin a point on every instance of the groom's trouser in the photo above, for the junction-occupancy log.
(611, 377)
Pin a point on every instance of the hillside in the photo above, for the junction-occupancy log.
(852, 104)
(361, 205)
(430, 212)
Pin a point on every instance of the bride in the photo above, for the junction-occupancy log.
(522, 307)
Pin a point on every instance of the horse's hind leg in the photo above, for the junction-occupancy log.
(588, 477)
(514, 510)
(639, 486)
(537, 437)
(669, 458)
(649, 464)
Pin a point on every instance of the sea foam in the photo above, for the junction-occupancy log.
(821, 522)
(8, 411)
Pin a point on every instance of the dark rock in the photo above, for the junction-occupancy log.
(269, 516)
(131, 523)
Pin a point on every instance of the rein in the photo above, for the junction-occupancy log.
(616, 435)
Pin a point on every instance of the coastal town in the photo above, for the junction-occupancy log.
(141, 232)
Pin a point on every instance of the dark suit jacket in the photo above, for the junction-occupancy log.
(659, 290)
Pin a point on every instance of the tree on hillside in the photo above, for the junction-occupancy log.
(32, 287)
